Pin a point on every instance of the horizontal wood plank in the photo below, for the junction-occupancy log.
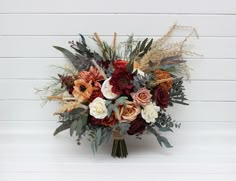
(121, 6)
(107, 176)
(61, 24)
(41, 46)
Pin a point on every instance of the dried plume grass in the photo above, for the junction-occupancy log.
(163, 48)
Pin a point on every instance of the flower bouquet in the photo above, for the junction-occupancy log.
(121, 89)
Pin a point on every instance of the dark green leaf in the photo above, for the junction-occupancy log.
(69, 55)
(147, 48)
(143, 44)
(61, 128)
(83, 40)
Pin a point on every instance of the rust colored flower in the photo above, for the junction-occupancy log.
(128, 112)
(82, 89)
(96, 92)
(92, 75)
(161, 75)
(109, 121)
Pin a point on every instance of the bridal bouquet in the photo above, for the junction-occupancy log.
(120, 90)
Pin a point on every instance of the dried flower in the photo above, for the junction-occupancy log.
(68, 82)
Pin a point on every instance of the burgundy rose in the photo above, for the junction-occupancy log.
(94, 121)
(137, 126)
(161, 97)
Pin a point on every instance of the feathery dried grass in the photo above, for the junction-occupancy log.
(163, 48)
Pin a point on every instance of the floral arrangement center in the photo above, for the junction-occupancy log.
(124, 89)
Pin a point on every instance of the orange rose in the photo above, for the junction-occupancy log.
(128, 112)
(142, 96)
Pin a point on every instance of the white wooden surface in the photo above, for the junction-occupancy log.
(205, 146)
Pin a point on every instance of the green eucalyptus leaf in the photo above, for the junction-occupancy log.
(73, 127)
(124, 127)
(79, 127)
(165, 129)
(121, 100)
(160, 138)
(98, 136)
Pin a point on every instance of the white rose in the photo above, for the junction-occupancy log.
(98, 108)
(150, 113)
(106, 90)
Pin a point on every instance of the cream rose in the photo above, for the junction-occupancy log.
(98, 108)
(106, 90)
(142, 96)
(150, 113)
(128, 112)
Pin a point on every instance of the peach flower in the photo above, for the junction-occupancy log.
(142, 96)
(91, 75)
(128, 112)
(82, 89)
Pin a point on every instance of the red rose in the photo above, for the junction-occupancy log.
(161, 97)
(120, 64)
(94, 121)
(137, 126)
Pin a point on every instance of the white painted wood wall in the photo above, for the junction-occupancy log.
(205, 146)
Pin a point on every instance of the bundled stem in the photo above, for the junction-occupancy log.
(119, 148)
